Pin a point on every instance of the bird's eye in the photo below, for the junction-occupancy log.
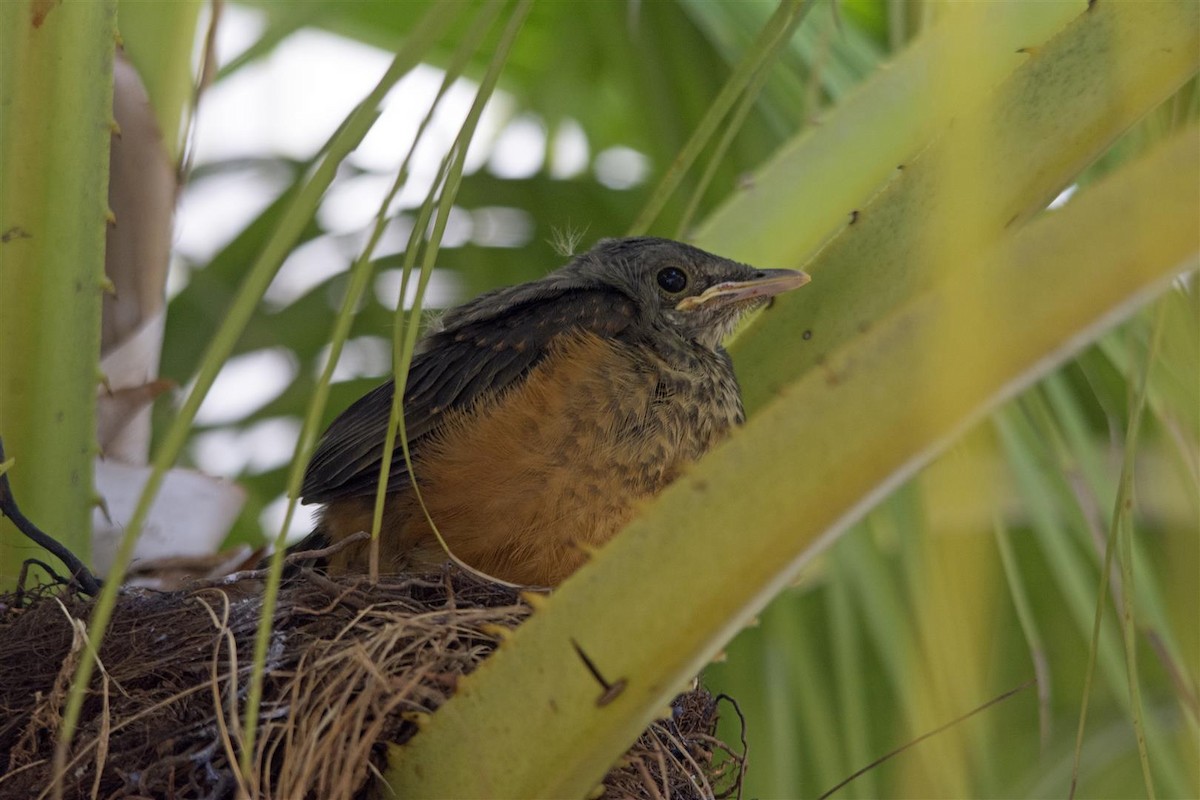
(672, 279)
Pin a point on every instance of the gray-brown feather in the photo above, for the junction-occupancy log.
(473, 356)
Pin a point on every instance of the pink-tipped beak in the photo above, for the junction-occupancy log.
(767, 283)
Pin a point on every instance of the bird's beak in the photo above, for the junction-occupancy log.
(767, 283)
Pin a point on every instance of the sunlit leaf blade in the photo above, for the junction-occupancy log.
(811, 185)
(1005, 157)
(856, 422)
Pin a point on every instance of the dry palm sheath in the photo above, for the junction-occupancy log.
(538, 416)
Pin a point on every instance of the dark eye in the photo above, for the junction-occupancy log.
(672, 279)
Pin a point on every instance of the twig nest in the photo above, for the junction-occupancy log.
(350, 667)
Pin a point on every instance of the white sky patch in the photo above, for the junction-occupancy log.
(501, 226)
(263, 446)
(520, 149)
(569, 150)
(305, 268)
(395, 236)
(178, 276)
(1063, 197)
(384, 147)
(247, 383)
(219, 452)
(290, 102)
(444, 289)
(240, 27)
(621, 167)
(499, 109)
(361, 357)
(271, 443)
(352, 204)
(459, 224)
(304, 518)
(215, 210)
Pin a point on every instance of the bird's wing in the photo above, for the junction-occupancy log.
(459, 365)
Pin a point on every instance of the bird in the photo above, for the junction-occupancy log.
(540, 417)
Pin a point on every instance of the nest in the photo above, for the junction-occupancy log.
(351, 666)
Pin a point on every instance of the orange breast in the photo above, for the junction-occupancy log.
(521, 485)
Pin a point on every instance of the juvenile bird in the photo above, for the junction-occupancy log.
(539, 416)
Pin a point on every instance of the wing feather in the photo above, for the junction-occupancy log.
(475, 357)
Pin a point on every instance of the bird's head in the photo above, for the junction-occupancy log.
(675, 288)
(681, 288)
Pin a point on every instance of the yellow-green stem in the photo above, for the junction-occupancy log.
(55, 129)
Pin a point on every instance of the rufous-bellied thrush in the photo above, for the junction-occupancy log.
(539, 416)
